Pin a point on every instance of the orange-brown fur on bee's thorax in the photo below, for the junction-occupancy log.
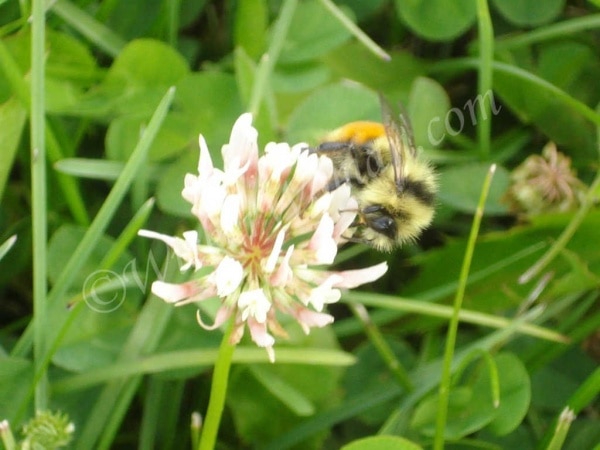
(358, 132)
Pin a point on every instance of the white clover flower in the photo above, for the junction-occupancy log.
(271, 225)
(228, 276)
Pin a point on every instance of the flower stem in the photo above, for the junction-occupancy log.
(444, 390)
(218, 391)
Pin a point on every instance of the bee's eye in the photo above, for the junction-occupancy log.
(373, 166)
(383, 224)
(380, 220)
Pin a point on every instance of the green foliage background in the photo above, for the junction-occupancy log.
(481, 84)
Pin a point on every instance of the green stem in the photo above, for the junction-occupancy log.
(218, 391)
(486, 56)
(444, 389)
(38, 192)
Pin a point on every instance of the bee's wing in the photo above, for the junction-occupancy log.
(400, 139)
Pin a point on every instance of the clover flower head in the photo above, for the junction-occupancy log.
(271, 226)
(545, 183)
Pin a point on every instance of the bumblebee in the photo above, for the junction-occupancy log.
(394, 187)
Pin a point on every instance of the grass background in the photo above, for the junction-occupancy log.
(101, 104)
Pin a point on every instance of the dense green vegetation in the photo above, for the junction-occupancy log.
(101, 105)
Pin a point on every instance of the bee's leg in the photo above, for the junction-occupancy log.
(358, 240)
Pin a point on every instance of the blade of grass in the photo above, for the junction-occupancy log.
(75, 304)
(562, 428)
(268, 61)
(110, 205)
(13, 121)
(99, 34)
(484, 80)
(359, 34)
(549, 32)
(173, 7)
(348, 327)
(385, 352)
(54, 153)
(162, 401)
(7, 245)
(96, 169)
(446, 312)
(424, 378)
(103, 217)
(585, 394)
(564, 238)
(190, 359)
(444, 389)
(460, 64)
(8, 439)
(38, 193)
(115, 398)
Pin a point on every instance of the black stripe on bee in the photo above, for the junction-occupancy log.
(419, 190)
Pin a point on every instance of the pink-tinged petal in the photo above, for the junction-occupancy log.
(352, 278)
(260, 336)
(344, 222)
(284, 273)
(309, 319)
(275, 252)
(322, 242)
(222, 315)
(173, 293)
(237, 333)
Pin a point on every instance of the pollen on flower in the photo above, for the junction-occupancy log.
(271, 225)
